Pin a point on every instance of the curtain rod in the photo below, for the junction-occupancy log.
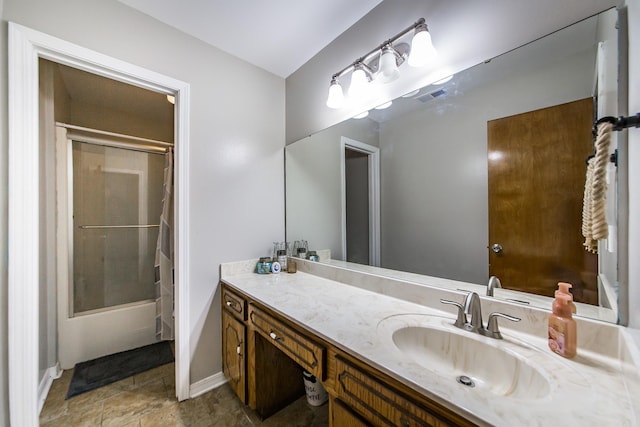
(116, 135)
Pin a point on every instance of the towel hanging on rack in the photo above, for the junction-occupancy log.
(594, 223)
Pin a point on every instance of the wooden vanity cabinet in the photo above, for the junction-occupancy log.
(380, 403)
(234, 338)
(277, 350)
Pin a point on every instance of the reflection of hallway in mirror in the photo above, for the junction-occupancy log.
(536, 172)
(357, 205)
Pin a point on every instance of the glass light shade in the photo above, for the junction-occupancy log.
(385, 105)
(422, 50)
(361, 115)
(359, 83)
(336, 97)
(388, 70)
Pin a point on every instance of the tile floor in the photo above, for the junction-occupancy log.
(148, 399)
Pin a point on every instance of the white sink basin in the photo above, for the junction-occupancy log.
(478, 363)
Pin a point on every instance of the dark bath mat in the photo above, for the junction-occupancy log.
(105, 370)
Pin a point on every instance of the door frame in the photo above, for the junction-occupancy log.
(373, 154)
(25, 47)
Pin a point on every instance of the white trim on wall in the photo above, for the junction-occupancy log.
(26, 46)
(207, 384)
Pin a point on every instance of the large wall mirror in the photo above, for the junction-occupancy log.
(476, 176)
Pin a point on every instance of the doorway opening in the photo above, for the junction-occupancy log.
(28, 231)
(360, 171)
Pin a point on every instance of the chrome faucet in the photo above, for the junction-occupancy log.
(494, 283)
(471, 307)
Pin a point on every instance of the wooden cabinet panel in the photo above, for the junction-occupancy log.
(378, 403)
(341, 416)
(234, 303)
(233, 353)
(300, 348)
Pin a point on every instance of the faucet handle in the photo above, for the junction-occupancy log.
(492, 324)
(462, 317)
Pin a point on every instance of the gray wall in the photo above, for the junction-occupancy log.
(229, 159)
(465, 32)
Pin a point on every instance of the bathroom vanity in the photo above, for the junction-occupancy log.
(388, 354)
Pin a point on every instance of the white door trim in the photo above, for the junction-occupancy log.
(373, 154)
(25, 47)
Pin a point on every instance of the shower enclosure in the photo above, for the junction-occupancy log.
(117, 199)
(110, 191)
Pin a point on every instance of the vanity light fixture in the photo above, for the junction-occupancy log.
(361, 115)
(381, 64)
(336, 98)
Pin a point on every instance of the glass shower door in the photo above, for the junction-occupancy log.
(117, 197)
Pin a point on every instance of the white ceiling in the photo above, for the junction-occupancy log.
(276, 35)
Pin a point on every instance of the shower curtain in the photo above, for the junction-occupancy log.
(164, 258)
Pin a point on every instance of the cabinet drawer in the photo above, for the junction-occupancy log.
(234, 303)
(301, 349)
(379, 404)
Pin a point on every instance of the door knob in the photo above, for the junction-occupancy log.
(497, 248)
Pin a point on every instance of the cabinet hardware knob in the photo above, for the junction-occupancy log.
(274, 336)
(239, 349)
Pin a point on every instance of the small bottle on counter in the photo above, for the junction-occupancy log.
(264, 265)
(282, 259)
(562, 328)
(313, 256)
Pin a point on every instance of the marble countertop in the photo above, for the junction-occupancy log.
(589, 390)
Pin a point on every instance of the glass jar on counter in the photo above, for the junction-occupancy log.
(264, 265)
(282, 258)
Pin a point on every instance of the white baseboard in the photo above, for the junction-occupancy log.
(50, 374)
(207, 384)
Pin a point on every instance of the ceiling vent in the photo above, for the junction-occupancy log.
(431, 95)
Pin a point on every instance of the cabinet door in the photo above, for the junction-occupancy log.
(380, 404)
(341, 416)
(233, 354)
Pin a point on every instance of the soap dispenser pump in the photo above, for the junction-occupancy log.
(563, 288)
(562, 327)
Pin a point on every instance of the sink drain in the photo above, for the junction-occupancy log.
(465, 380)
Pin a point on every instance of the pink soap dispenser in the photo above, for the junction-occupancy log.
(562, 328)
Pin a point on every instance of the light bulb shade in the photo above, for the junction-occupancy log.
(336, 97)
(388, 68)
(359, 83)
(422, 50)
